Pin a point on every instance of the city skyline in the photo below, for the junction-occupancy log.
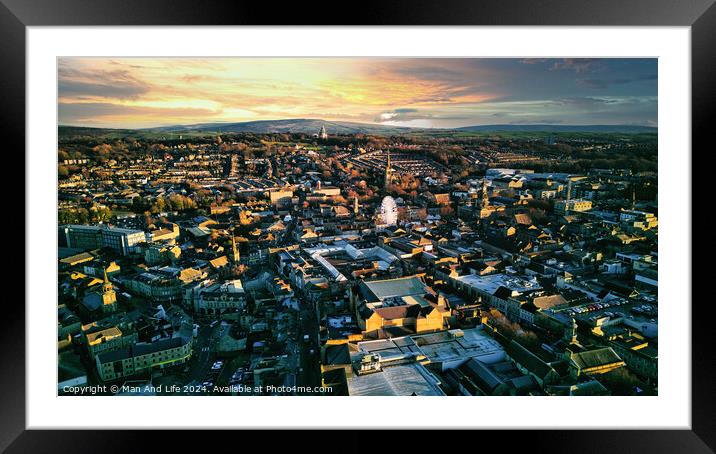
(413, 92)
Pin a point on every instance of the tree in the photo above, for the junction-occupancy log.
(511, 330)
(99, 213)
(102, 149)
(622, 382)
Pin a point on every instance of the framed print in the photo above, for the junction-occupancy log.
(250, 217)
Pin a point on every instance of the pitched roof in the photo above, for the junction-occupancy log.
(590, 388)
(219, 262)
(596, 358)
(528, 360)
(503, 292)
(337, 354)
(396, 312)
(549, 301)
(92, 301)
(523, 218)
(78, 258)
(100, 336)
(485, 378)
(189, 274)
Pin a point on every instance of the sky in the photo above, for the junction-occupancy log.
(416, 92)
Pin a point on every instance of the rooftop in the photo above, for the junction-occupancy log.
(491, 282)
(399, 380)
(392, 288)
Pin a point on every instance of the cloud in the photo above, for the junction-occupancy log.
(84, 89)
(440, 92)
(586, 101)
(92, 112)
(534, 61)
(578, 65)
(605, 83)
(118, 83)
(403, 114)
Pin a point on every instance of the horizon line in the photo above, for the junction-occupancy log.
(360, 123)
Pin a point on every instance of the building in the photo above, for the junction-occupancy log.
(496, 290)
(532, 365)
(378, 292)
(161, 253)
(89, 237)
(596, 361)
(106, 340)
(214, 298)
(281, 197)
(638, 219)
(449, 349)
(165, 233)
(325, 191)
(77, 259)
(68, 323)
(156, 287)
(566, 206)
(398, 375)
(323, 135)
(503, 378)
(398, 306)
(143, 357)
(103, 300)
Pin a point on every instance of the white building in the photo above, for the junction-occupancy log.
(213, 298)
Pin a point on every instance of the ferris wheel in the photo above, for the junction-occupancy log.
(389, 211)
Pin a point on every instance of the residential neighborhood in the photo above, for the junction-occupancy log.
(325, 263)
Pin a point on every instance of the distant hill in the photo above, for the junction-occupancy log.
(304, 126)
(89, 131)
(631, 129)
(312, 126)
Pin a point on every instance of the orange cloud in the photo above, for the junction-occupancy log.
(144, 92)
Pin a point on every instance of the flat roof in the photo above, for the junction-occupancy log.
(390, 288)
(398, 380)
(491, 282)
(443, 346)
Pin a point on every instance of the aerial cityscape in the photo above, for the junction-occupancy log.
(357, 226)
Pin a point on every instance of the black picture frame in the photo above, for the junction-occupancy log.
(16, 15)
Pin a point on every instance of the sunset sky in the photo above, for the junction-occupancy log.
(429, 92)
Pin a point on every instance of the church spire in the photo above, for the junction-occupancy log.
(106, 286)
(388, 172)
(108, 295)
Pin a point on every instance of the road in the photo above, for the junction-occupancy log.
(310, 362)
(203, 353)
